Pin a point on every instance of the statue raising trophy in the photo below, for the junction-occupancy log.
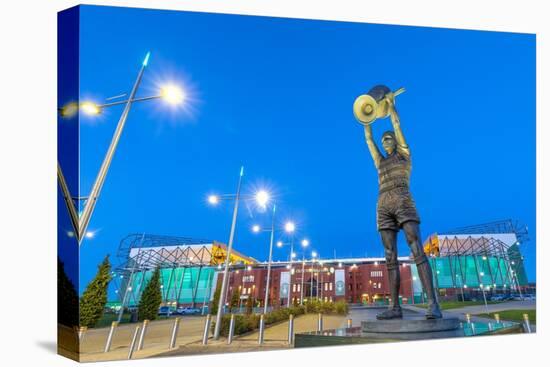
(396, 208)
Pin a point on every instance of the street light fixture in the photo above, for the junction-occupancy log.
(262, 198)
(227, 259)
(81, 220)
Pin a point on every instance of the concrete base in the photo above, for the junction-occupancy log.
(410, 325)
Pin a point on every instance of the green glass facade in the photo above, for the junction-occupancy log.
(472, 272)
(186, 285)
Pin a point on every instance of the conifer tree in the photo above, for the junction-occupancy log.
(151, 298)
(94, 298)
(216, 299)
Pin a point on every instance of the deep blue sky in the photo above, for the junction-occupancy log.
(276, 95)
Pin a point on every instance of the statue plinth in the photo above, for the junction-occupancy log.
(410, 328)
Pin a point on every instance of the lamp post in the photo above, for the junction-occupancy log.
(305, 243)
(268, 279)
(80, 222)
(227, 259)
(290, 228)
(262, 198)
(313, 256)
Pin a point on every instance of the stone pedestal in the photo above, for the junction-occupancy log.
(411, 328)
(410, 325)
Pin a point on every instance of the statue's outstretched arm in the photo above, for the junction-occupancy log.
(373, 148)
(402, 146)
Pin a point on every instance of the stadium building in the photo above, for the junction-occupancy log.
(467, 263)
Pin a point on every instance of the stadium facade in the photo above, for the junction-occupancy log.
(467, 263)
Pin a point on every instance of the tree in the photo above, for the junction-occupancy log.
(216, 299)
(151, 298)
(250, 303)
(234, 299)
(67, 298)
(92, 303)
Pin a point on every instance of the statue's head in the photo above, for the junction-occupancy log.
(388, 142)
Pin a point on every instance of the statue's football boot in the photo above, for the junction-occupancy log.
(434, 312)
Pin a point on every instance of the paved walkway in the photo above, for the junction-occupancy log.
(156, 339)
(189, 339)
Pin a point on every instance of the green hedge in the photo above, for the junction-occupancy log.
(316, 306)
(246, 323)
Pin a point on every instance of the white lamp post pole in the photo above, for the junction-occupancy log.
(221, 302)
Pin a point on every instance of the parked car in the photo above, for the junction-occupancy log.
(529, 297)
(188, 311)
(165, 311)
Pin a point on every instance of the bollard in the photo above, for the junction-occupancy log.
(231, 329)
(468, 318)
(497, 317)
(262, 328)
(349, 323)
(142, 335)
(133, 344)
(174, 334)
(206, 330)
(80, 332)
(526, 325)
(490, 325)
(291, 329)
(320, 322)
(114, 324)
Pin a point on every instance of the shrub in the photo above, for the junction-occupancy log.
(341, 307)
(243, 324)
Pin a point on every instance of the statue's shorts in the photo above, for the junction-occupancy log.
(394, 208)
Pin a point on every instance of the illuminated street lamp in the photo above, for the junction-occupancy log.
(171, 94)
(257, 229)
(261, 198)
(289, 228)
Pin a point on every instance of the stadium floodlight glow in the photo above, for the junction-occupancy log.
(340, 265)
(305, 243)
(248, 268)
(290, 227)
(90, 234)
(172, 94)
(313, 254)
(256, 228)
(482, 273)
(90, 108)
(213, 199)
(279, 244)
(293, 255)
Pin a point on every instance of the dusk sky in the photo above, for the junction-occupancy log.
(275, 96)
